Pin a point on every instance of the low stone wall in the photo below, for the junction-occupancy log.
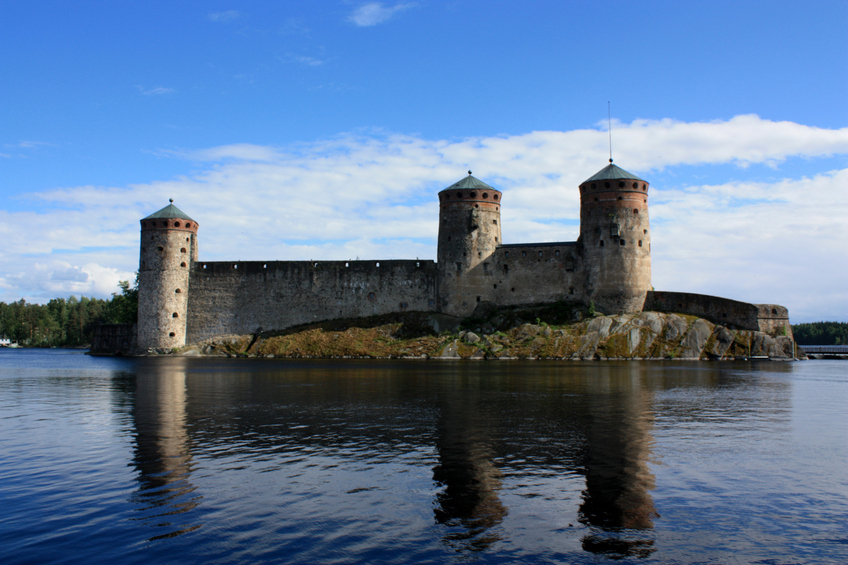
(248, 297)
(114, 339)
(767, 318)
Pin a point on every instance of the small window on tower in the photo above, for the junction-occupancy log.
(172, 334)
(495, 222)
(602, 243)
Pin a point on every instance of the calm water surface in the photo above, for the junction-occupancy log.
(180, 460)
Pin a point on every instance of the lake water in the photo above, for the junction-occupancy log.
(200, 460)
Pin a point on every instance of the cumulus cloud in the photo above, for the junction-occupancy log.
(374, 13)
(757, 234)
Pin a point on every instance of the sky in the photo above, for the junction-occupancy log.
(324, 129)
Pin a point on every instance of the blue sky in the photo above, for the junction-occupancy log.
(323, 130)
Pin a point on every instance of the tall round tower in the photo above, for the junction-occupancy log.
(616, 239)
(168, 249)
(469, 233)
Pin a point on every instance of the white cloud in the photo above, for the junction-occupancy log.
(373, 13)
(156, 91)
(372, 195)
(226, 16)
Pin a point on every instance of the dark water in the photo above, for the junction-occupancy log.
(235, 460)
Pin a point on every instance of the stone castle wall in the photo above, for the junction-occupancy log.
(535, 273)
(247, 297)
(767, 318)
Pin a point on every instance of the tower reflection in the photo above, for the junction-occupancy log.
(617, 499)
(162, 451)
(469, 500)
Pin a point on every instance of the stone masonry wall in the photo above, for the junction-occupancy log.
(766, 318)
(535, 273)
(246, 297)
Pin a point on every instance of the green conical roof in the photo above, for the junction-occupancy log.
(470, 182)
(613, 172)
(169, 212)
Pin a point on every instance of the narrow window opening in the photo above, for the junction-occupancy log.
(478, 299)
(524, 254)
(264, 265)
(235, 266)
(178, 291)
(506, 253)
(495, 286)
(621, 241)
(602, 243)
(495, 197)
(183, 250)
(496, 240)
(635, 211)
(571, 290)
(512, 289)
(172, 334)
(417, 264)
(540, 253)
(160, 248)
(378, 264)
(640, 243)
(556, 252)
(347, 264)
(184, 265)
(495, 222)
(644, 231)
(176, 224)
(485, 195)
(459, 266)
(175, 315)
(485, 267)
(204, 266)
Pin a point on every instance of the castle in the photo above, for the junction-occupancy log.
(183, 300)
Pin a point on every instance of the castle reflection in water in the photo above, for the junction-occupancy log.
(478, 427)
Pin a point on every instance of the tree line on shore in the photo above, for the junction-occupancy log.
(70, 322)
(821, 333)
(66, 322)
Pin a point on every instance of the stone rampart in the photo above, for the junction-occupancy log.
(767, 318)
(114, 339)
(246, 297)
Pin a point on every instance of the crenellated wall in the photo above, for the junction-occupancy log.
(246, 297)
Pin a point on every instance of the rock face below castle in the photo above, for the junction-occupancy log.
(183, 300)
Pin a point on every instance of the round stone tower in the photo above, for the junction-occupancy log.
(168, 249)
(469, 233)
(616, 240)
